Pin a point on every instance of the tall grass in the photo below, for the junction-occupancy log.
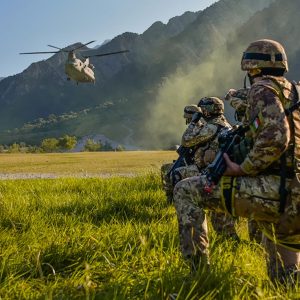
(113, 239)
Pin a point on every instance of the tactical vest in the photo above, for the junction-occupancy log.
(287, 93)
(205, 154)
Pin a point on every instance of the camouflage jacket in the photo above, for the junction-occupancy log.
(270, 128)
(204, 136)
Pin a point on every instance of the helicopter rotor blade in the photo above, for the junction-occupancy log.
(105, 54)
(41, 52)
(54, 47)
(83, 45)
(61, 50)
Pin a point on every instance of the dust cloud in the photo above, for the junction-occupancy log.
(213, 77)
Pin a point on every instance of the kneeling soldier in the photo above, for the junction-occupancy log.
(265, 185)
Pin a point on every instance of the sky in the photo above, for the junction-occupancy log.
(30, 25)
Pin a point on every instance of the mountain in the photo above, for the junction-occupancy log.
(221, 69)
(130, 98)
(1, 78)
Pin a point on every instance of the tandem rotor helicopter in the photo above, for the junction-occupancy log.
(75, 68)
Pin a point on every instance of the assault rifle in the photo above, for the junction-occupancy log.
(227, 140)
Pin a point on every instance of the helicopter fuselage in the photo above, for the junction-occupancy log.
(75, 68)
(78, 70)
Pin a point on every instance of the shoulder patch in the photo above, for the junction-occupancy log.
(257, 123)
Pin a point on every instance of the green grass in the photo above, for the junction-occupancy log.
(92, 163)
(113, 238)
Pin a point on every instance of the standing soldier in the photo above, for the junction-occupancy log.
(265, 186)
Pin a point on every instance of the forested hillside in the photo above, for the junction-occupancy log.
(136, 94)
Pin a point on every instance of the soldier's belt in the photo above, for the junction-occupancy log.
(290, 173)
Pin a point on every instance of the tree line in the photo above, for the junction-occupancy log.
(61, 144)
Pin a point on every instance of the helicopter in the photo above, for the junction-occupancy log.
(75, 68)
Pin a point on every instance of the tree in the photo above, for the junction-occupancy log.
(67, 142)
(91, 145)
(49, 145)
(14, 148)
(107, 147)
(2, 148)
(120, 148)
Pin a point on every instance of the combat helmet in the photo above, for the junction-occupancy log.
(264, 54)
(211, 106)
(189, 110)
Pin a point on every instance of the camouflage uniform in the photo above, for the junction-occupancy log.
(167, 183)
(205, 137)
(238, 100)
(254, 195)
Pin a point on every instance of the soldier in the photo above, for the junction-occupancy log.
(168, 186)
(251, 189)
(205, 138)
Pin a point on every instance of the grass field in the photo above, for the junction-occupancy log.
(114, 238)
(92, 163)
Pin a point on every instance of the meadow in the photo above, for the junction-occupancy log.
(114, 238)
(85, 163)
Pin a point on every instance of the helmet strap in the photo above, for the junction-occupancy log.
(273, 72)
(245, 81)
(252, 77)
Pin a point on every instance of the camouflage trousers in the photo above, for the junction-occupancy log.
(222, 223)
(281, 262)
(180, 173)
(166, 181)
(255, 198)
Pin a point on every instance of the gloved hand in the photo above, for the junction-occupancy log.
(196, 117)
